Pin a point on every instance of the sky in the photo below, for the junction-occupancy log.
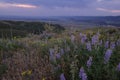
(59, 7)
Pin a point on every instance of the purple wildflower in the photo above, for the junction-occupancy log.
(89, 62)
(62, 77)
(112, 45)
(95, 39)
(82, 74)
(58, 56)
(83, 38)
(81, 34)
(118, 67)
(106, 44)
(107, 56)
(88, 46)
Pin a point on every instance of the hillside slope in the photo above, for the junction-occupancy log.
(22, 28)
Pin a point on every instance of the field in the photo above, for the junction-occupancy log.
(89, 54)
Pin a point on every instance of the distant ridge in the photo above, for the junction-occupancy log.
(52, 17)
(76, 21)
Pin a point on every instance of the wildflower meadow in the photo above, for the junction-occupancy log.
(90, 54)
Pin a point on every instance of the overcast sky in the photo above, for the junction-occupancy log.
(60, 7)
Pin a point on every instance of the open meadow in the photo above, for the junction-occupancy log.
(89, 54)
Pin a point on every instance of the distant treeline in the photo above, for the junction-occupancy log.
(22, 28)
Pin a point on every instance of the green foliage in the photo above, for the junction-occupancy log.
(10, 29)
(10, 45)
(3, 69)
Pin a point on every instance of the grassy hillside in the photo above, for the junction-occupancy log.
(90, 54)
(21, 28)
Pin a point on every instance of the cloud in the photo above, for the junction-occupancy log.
(108, 4)
(108, 10)
(99, 0)
(113, 4)
(3, 4)
(54, 3)
(59, 7)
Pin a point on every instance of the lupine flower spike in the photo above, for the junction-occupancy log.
(83, 38)
(62, 77)
(112, 45)
(107, 55)
(118, 67)
(95, 39)
(89, 62)
(58, 56)
(106, 44)
(88, 46)
(82, 74)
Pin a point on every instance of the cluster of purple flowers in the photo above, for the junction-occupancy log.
(118, 67)
(107, 55)
(83, 38)
(89, 62)
(58, 55)
(95, 39)
(53, 56)
(82, 74)
(62, 77)
(112, 45)
(107, 44)
(88, 46)
(81, 34)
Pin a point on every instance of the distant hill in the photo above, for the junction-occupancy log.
(22, 28)
(86, 21)
(76, 21)
(72, 21)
